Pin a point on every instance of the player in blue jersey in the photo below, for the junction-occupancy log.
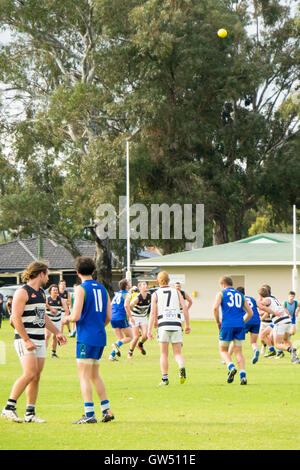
(292, 308)
(120, 317)
(252, 326)
(233, 306)
(91, 312)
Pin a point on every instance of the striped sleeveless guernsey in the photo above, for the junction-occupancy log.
(141, 309)
(33, 317)
(57, 304)
(63, 295)
(168, 309)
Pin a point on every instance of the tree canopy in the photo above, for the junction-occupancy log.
(215, 121)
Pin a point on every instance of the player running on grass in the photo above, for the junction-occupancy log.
(252, 326)
(140, 306)
(120, 316)
(91, 312)
(233, 306)
(165, 315)
(281, 321)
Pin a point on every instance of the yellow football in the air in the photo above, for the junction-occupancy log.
(222, 33)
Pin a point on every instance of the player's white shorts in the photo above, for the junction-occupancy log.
(21, 350)
(264, 325)
(140, 321)
(169, 336)
(282, 329)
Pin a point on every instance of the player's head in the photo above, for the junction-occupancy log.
(267, 287)
(225, 281)
(177, 285)
(163, 278)
(9, 298)
(36, 270)
(62, 285)
(84, 266)
(292, 295)
(241, 290)
(124, 284)
(263, 292)
(142, 286)
(53, 290)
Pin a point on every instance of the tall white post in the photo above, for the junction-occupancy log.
(128, 272)
(295, 271)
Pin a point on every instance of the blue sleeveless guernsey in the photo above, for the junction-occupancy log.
(118, 312)
(232, 308)
(90, 327)
(255, 319)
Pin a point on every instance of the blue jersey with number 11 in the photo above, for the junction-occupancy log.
(232, 308)
(90, 327)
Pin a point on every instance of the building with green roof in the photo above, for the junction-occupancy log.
(266, 258)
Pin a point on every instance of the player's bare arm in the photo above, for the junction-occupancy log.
(153, 316)
(108, 311)
(78, 306)
(52, 328)
(216, 308)
(127, 308)
(134, 302)
(185, 313)
(65, 306)
(263, 305)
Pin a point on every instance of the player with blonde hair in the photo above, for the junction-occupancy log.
(165, 315)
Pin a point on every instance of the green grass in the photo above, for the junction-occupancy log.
(204, 413)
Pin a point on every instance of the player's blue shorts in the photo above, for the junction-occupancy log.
(252, 328)
(121, 324)
(293, 318)
(85, 351)
(229, 334)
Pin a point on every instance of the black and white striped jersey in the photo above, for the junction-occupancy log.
(168, 309)
(33, 317)
(141, 309)
(57, 304)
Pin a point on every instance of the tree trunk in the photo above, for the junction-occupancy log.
(103, 262)
(220, 232)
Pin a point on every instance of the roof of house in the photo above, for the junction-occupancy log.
(262, 249)
(17, 254)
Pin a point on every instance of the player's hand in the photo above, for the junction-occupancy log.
(187, 330)
(61, 338)
(65, 320)
(150, 335)
(29, 345)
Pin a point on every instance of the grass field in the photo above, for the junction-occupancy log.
(205, 413)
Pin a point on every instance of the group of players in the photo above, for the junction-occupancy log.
(265, 318)
(92, 310)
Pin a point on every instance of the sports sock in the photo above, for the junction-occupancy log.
(113, 353)
(89, 409)
(119, 343)
(11, 404)
(181, 366)
(271, 348)
(242, 374)
(165, 377)
(30, 410)
(230, 366)
(105, 407)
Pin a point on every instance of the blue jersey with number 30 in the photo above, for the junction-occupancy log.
(232, 308)
(90, 327)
